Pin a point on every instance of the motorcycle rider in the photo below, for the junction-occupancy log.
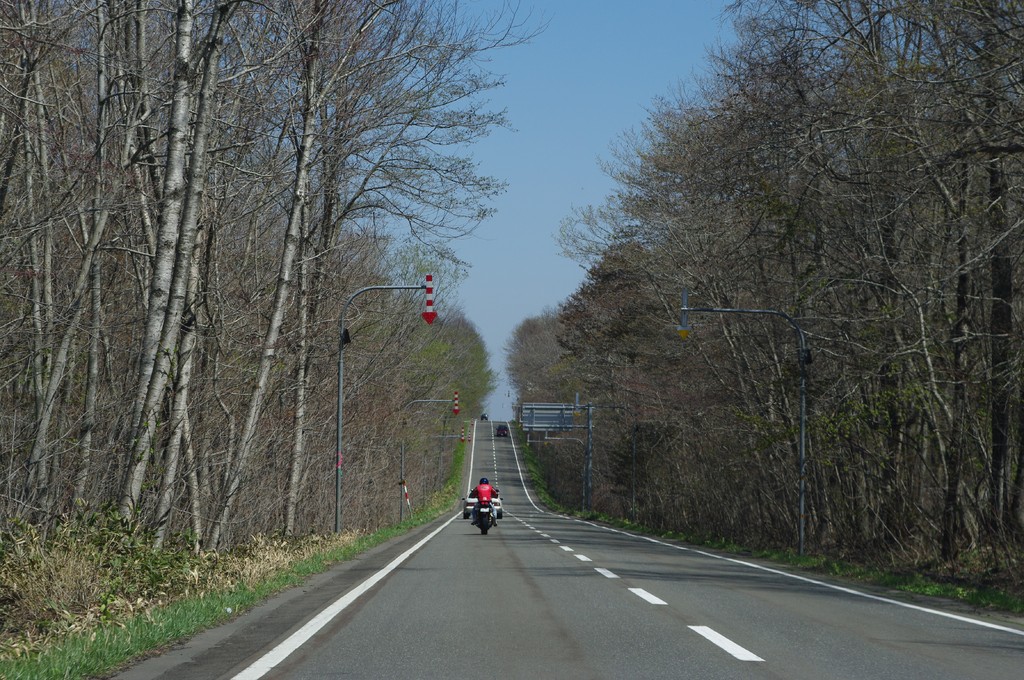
(483, 492)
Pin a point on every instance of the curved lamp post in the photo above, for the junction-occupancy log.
(341, 367)
(401, 506)
(803, 358)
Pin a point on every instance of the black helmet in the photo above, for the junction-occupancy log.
(483, 480)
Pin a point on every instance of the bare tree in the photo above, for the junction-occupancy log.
(186, 198)
(851, 163)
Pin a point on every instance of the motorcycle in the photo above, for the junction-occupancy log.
(469, 503)
(485, 518)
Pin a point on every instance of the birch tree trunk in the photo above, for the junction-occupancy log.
(182, 196)
(179, 409)
(298, 461)
(172, 194)
(1001, 328)
(194, 487)
(239, 464)
(92, 379)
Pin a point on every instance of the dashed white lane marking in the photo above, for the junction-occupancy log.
(822, 584)
(545, 536)
(605, 572)
(583, 558)
(555, 540)
(641, 593)
(726, 644)
(566, 548)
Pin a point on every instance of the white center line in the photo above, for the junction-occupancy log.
(640, 592)
(606, 573)
(726, 644)
(583, 558)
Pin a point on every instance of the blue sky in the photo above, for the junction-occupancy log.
(571, 93)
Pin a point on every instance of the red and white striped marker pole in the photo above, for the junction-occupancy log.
(455, 403)
(429, 315)
(405, 490)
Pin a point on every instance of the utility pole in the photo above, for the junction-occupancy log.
(588, 462)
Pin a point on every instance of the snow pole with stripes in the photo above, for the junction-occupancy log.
(429, 314)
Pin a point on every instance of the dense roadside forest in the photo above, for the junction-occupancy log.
(856, 165)
(190, 191)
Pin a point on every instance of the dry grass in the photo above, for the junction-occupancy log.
(100, 569)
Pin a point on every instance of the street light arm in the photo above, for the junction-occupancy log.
(563, 439)
(344, 308)
(428, 401)
(801, 336)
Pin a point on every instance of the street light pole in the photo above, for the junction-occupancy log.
(341, 397)
(401, 499)
(803, 358)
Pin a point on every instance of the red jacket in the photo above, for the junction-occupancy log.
(483, 493)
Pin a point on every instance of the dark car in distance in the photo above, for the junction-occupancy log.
(501, 431)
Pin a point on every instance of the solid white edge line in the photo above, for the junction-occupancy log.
(725, 643)
(279, 653)
(779, 572)
(606, 572)
(643, 594)
(515, 456)
(268, 661)
(275, 656)
(804, 579)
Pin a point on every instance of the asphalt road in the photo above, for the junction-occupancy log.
(549, 596)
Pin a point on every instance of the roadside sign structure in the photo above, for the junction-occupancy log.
(538, 417)
(559, 418)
